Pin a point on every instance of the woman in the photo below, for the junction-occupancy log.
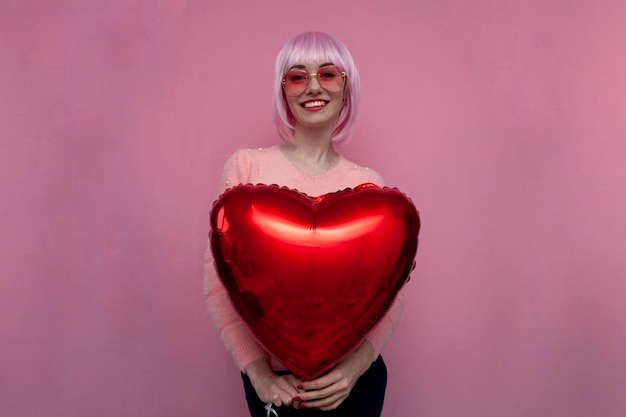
(316, 98)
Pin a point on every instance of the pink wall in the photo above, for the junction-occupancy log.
(503, 120)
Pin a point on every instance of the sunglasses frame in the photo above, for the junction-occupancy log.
(307, 78)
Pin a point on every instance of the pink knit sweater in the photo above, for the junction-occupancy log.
(270, 166)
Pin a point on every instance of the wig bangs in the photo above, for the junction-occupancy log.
(313, 49)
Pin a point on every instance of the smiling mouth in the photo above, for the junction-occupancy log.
(314, 104)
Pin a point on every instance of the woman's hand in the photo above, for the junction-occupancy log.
(272, 388)
(329, 391)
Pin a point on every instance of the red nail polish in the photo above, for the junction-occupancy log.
(302, 406)
(297, 398)
(300, 386)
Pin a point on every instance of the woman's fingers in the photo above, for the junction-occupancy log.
(270, 387)
(330, 390)
(285, 391)
(329, 402)
(326, 398)
(279, 390)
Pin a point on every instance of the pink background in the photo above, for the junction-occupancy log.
(503, 120)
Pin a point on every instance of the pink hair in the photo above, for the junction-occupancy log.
(316, 47)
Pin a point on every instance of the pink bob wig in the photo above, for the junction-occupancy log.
(316, 47)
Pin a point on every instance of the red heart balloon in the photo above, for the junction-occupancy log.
(311, 276)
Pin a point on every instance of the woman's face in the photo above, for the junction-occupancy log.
(320, 102)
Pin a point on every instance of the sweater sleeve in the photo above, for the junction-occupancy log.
(235, 333)
(381, 333)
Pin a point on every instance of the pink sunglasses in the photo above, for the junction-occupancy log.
(329, 77)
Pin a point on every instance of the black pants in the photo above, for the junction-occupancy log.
(365, 400)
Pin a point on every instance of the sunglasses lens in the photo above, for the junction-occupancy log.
(330, 78)
(295, 81)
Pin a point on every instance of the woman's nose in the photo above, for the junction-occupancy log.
(313, 84)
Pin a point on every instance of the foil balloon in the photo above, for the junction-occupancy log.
(311, 276)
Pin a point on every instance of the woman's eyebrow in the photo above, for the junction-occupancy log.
(300, 66)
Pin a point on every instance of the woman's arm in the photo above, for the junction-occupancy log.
(235, 333)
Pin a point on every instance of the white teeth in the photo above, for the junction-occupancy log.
(314, 103)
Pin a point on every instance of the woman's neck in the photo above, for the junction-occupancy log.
(312, 151)
(311, 158)
(313, 136)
